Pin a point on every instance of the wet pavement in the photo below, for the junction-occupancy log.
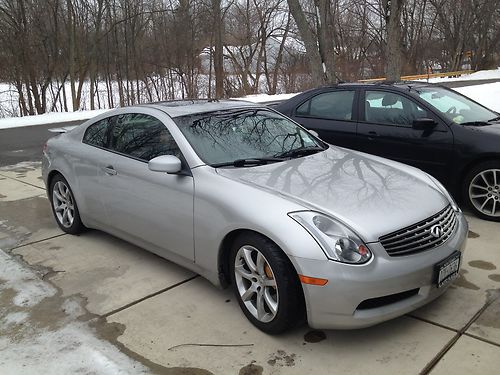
(95, 304)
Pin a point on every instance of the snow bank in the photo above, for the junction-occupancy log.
(487, 94)
(58, 117)
(48, 118)
(263, 98)
(481, 74)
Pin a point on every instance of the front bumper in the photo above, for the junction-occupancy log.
(337, 304)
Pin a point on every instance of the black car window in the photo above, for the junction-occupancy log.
(98, 134)
(142, 137)
(384, 107)
(333, 105)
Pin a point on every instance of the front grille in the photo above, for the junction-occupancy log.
(418, 237)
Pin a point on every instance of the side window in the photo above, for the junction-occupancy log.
(142, 136)
(97, 134)
(384, 107)
(334, 105)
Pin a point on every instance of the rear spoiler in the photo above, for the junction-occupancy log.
(64, 129)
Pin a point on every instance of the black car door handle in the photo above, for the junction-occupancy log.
(372, 135)
(109, 170)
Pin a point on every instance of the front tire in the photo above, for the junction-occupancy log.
(482, 190)
(64, 206)
(266, 284)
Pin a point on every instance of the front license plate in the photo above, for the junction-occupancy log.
(447, 270)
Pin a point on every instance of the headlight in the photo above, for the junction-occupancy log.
(443, 190)
(337, 241)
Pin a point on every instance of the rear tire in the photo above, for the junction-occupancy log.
(64, 207)
(266, 284)
(481, 190)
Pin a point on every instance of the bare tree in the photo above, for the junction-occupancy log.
(394, 49)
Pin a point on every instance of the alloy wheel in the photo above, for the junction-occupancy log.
(63, 203)
(484, 192)
(256, 283)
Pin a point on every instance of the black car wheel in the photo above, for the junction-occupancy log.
(482, 190)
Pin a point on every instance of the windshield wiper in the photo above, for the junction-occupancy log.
(248, 161)
(475, 123)
(301, 151)
(495, 119)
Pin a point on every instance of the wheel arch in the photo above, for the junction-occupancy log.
(225, 251)
(51, 176)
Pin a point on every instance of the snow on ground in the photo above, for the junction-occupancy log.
(40, 332)
(58, 117)
(263, 98)
(48, 118)
(481, 74)
(487, 94)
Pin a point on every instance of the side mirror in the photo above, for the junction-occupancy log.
(423, 124)
(165, 163)
(313, 132)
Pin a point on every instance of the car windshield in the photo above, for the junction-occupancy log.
(455, 107)
(230, 136)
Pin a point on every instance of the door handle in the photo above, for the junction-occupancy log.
(109, 170)
(372, 135)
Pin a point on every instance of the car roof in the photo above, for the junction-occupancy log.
(178, 108)
(402, 85)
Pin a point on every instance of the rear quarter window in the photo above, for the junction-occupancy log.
(98, 134)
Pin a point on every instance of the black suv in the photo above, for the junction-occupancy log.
(436, 129)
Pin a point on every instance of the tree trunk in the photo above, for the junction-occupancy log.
(394, 51)
(310, 41)
(326, 40)
(218, 47)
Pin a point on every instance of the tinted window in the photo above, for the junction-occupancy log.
(98, 134)
(334, 105)
(142, 136)
(383, 107)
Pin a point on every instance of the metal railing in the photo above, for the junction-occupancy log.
(423, 76)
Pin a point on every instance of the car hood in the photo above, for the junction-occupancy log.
(372, 195)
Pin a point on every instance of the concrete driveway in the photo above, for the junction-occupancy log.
(95, 304)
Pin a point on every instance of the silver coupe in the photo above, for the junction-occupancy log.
(244, 196)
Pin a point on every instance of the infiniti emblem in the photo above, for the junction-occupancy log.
(436, 231)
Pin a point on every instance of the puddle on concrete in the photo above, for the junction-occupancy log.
(481, 264)
(22, 167)
(112, 331)
(314, 336)
(462, 282)
(23, 217)
(491, 316)
(472, 234)
(281, 358)
(495, 277)
(251, 369)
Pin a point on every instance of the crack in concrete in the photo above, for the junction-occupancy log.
(491, 296)
(24, 182)
(133, 303)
